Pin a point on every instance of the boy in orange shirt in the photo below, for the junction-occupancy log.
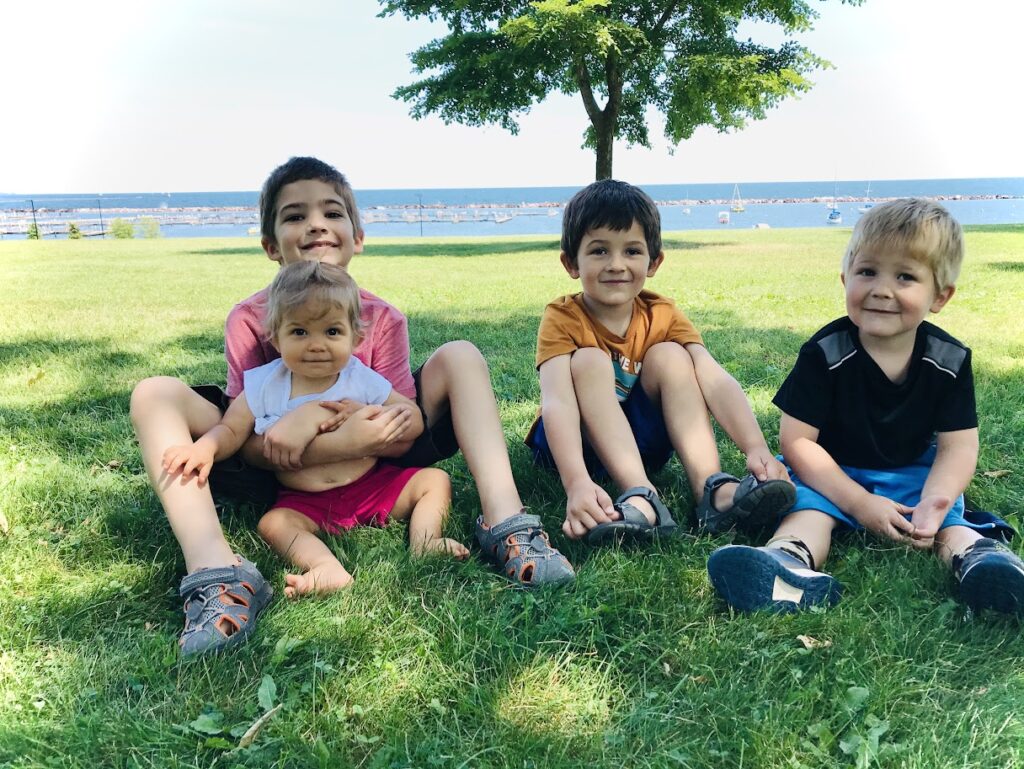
(625, 380)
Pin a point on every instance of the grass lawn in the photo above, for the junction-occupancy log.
(440, 664)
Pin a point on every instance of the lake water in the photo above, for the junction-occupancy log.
(514, 210)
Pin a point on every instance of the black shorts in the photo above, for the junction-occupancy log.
(236, 480)
(437, 441)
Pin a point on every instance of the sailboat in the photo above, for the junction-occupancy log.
(868, 205)
(737, 201)
(834, 214)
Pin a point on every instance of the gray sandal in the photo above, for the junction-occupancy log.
(633, 525)
(221, 606)
(520, 548)
(756, 504)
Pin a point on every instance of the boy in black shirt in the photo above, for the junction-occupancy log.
(879, 428)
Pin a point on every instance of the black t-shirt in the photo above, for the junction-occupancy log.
(863, 418)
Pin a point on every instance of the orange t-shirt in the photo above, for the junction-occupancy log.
(566, 326)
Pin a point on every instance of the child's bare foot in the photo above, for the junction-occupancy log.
(321, 579)
(440, 546)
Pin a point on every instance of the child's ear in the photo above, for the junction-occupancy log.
(572, 269)
(273, 252)
(655, 264)
(359, 240)
(942, 297)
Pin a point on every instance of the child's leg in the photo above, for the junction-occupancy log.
(166, 412)
(294, 537)
(606, 426)
(812, 528)
(425, 501)
(456, 378)
(668, 378)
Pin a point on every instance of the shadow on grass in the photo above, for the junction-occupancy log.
(1006, 266)
(228, 251)
(1005, 229)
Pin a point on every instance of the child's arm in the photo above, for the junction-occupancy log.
(952, 470)
(223, 440)
(587, 504)
(731, 409)
(816, 468)
(286, 440)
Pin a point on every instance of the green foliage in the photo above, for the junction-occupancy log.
(33, 232)
(122, 229)
(684, 60)
(149, 227)
(74, 232)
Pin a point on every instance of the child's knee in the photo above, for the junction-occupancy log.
(433, 480)
(670, 358)
(275, 522)
(153, 391)
(588, 360)
(460, 355)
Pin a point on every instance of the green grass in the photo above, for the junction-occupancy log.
(439, 664)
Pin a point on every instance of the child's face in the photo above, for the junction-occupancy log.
(312, 222)
(613, 265)
(316, 344)
(888, 294)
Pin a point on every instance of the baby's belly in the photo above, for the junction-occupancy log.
(320, 477)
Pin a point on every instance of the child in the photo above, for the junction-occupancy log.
(314, 322)
(879, 428)
(308, 212)
(625, 379)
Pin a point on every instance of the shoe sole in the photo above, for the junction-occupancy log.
(749, 579)
(627, 533)
(998, 585)
(764, 504)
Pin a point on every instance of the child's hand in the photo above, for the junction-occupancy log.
(285, 441)
(883, 517)
(342, 409)
(374, 428)
(194, 458)
(763, 465)
(587, 505)
(926, 519)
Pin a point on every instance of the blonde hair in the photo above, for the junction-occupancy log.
(297, 284)
(920, 228)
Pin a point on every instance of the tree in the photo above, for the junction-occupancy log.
(682, 58)
(122, 229)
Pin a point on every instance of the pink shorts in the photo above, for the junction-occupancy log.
(367, 501)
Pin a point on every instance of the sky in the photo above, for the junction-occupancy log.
(193, 95)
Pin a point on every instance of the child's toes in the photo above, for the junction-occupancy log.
(295, 585)
(458, 550)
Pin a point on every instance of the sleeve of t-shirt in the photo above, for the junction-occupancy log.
(958, 410)
(681, 330)
(807, 392)
(560, 332)
(242, 347)
(391, 353)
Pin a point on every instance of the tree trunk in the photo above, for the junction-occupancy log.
(603, 150)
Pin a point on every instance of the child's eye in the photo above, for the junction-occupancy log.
(867, 272)
(335, 331)
(598, 251)
(335, 214)
(293, 218)
(298, 332)
(907, 276)
(634, 251)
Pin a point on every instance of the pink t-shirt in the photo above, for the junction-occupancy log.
(385, 348)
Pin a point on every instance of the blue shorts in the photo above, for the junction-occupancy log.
(645, 420)
(903, 485)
